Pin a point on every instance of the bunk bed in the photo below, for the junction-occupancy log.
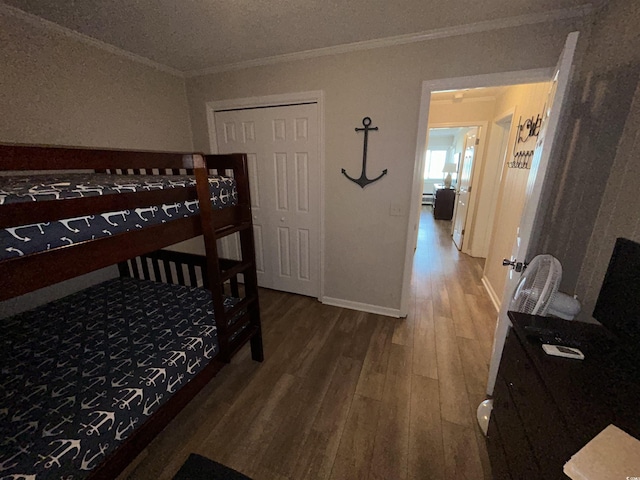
(88, 380)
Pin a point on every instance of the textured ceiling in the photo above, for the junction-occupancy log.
(196, 34)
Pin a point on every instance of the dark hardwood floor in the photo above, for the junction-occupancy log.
(349, 395)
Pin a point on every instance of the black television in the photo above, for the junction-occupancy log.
(618, 304)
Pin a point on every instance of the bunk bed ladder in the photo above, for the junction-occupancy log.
(241, 322)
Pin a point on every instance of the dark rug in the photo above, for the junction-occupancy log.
(198, 467)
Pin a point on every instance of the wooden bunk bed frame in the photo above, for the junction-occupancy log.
(236, 326)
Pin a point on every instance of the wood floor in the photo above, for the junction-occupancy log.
(349, 395)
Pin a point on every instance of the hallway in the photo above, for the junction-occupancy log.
(350, 395)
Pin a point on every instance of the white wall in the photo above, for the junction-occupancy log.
(365, 246)
(58, 91)
(443, 142)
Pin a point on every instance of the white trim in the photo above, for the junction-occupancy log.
(508, 115)
(463, 100)
(316, 96)
(437, 33)
(429, 86)
(267, 100)
(362, 307)
(86, 39)
(495, 300)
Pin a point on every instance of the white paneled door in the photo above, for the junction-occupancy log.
(547, 136)
(281, 143)
(463, 190)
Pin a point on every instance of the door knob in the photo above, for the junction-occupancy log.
(282, 219)
(517, 266)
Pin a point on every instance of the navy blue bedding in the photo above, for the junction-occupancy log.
(80, 374)
(25, 239)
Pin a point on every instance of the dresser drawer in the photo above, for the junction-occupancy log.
(544, 425)
(499, 466)
(517, 448)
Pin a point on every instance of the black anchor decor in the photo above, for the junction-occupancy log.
(363, 181)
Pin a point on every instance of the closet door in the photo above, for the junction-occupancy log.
(281, 144)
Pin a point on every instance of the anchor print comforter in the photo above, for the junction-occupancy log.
(25, 239)
(80, 374)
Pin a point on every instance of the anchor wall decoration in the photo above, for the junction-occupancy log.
(363, 181)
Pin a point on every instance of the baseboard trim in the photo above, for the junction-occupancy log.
(491, 292)
(362, 307)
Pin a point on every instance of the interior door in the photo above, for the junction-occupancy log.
(546, 137)
(463, 189)
(281, 143)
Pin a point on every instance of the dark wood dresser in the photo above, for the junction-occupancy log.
(444, 200)
(547, 408)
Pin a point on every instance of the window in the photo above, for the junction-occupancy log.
(434, 163)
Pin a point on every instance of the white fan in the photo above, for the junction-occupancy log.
(537, 291)
(537, 294)
(537, 286)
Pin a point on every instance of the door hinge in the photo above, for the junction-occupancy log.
(477, 141)
(463, 231)
(469, 189)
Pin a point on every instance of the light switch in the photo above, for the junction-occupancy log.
(395, 210)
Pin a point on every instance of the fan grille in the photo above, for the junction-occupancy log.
(538, 285)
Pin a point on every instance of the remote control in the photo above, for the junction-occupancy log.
(562, 351)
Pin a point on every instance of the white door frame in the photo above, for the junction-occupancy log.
(316, 96)
(480, 156)
(429, 86)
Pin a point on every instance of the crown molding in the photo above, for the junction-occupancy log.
(82, 38)
(453, 31)
(438, 33)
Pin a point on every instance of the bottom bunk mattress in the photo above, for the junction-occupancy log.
(80, 374)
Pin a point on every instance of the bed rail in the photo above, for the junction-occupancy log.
(235, 325)
(19, 157)
(30, 272)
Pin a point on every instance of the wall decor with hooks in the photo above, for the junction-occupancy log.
(526, 130)
(530, 128)
(363, 181)
(521, 159)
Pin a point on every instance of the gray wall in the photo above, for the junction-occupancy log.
(56, 90)
(592, 192)
(365, 246)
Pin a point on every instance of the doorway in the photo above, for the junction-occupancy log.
(449, 163)
(490, 108)
(543, 129)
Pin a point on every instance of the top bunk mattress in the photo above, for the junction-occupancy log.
(26, 239)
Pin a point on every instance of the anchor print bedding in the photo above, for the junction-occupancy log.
(25, 239)
(80, 374)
